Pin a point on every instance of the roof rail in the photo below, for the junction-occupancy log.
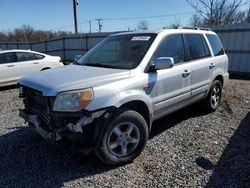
(196, 28)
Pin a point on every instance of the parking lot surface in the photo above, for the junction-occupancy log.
(186, 149)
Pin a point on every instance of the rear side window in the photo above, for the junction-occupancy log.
(39, 56)
(7, 58)
(215, 44)
(25, 56)
(197, 46)
(172, 46)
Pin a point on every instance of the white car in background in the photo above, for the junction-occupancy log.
(17, 63)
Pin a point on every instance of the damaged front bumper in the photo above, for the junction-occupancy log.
(85, 131)
(37, 123)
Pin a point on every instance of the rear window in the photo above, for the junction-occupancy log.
(197, 46)
(215, 44)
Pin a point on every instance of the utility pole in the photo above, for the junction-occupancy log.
(89, 26)
(75, 3)
(99, 24)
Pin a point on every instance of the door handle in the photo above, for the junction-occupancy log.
(10, 65)
(186, 73)
(211, 66)
(36, 63)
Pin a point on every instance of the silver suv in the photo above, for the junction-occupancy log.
(108, 99)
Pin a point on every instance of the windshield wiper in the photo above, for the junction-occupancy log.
(99, 65)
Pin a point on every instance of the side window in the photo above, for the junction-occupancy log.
(197, 46)
(7, 58)
(25, 56)
(39, 56)
(172, 46)
(215, 44)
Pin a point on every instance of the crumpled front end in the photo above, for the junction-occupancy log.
(82, 128)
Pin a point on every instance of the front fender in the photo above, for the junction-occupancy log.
(135, 95)
(107, 99)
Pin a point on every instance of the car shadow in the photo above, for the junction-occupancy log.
(26, 160)
(29, 161)
(175, 118)
(233, 167)
(5, 88)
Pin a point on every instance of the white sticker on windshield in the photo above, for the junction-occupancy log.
(141, 38)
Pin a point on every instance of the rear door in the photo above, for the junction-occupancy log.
(171, 86)
(29, 63)
(201, 61)
(9, 70)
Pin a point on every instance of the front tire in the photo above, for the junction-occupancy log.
(212, 101)
(124, 138)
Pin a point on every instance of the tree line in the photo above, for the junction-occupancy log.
(27, 33)
(212, 13)
(219, 12)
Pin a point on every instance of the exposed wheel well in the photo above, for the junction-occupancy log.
(220, 78)
(139, 107)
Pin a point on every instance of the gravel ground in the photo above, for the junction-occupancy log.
(186, 149)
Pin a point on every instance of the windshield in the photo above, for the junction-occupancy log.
(119, 52)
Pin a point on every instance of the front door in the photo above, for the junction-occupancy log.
(171, 87)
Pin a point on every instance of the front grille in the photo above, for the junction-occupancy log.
(36, 103)
(36, 100)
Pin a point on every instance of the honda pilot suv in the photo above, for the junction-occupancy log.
(107, 100)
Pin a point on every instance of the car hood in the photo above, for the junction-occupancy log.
(71, 77)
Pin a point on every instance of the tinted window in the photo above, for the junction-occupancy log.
(197, 46)
(7, 58)
(215, 44)
(25, 56)
(172, 46)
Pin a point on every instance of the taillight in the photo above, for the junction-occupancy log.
(60, 61)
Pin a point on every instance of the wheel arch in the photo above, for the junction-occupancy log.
(220, 78)
(140, 107)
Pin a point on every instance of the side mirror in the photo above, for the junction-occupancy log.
(163, 63)
(77, 57)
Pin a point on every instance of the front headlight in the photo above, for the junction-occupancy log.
(73, 101)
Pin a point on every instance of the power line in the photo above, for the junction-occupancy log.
(146, 17)
(125, 18)
(142, 17)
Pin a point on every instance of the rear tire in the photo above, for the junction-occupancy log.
(124, 138)
(212, 101)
